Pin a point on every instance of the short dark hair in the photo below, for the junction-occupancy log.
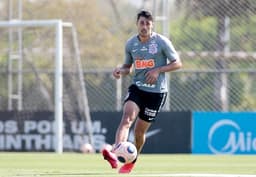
(144, 13)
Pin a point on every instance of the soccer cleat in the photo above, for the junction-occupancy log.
(110, 157)
(126, 168)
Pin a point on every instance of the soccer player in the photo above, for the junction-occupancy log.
(151, 55)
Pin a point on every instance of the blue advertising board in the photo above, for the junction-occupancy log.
(224, 133)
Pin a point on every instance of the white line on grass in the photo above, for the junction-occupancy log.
(185, 175)
(194, 175)
(175, 175)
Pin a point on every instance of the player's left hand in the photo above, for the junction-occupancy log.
(152, 75)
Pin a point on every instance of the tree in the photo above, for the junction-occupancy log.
(99, 41)
(223, 11)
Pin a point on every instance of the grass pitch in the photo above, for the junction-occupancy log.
(155, 165)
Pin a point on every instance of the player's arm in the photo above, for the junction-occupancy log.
(125, 69)
(172, 66)
(173, 57)
(152, 75)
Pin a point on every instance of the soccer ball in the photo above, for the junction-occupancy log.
(126, 152)
(87, 148)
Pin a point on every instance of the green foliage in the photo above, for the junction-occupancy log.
(194, 92)
(243, 34)
(194, 35)
(198, 35)
(100, 46)
(201, 34)
(102, 33)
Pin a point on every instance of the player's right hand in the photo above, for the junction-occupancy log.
(117, 73)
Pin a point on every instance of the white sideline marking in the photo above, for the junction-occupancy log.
(181, 175)
(194, 175)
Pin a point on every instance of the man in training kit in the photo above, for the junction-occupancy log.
(151, 55)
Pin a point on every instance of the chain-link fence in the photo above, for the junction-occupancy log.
(217, 44)
(215, 39)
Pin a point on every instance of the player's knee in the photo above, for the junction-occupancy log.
(129, 116)
(127, 120)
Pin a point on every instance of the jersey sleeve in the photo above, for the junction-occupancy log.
(128, 56)
(169, 50)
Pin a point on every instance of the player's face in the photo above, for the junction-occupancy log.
(145, 27)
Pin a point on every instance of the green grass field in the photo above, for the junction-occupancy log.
(167, 165)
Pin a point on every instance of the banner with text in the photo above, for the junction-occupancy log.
(34, 131)
(224, 133)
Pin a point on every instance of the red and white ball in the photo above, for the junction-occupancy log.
(126, 152)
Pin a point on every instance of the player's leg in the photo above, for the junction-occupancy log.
(130, 113)
(152, 103)
(141, 127)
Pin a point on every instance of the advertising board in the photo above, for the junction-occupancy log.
(224, 133)
(34, 131)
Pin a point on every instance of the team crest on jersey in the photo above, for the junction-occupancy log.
(152, 48)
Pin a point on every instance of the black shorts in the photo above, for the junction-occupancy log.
(148, 102)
